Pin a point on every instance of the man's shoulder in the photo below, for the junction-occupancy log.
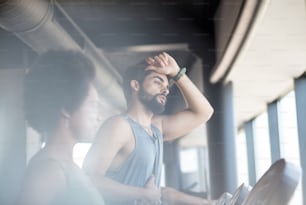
(117, 121)
(116, 127)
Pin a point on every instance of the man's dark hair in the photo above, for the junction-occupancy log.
(135, 72)
(58, 80)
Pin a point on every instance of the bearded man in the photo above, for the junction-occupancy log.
(125, 159)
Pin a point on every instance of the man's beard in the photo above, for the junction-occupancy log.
(151, 102)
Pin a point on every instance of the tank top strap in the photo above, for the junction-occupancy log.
(129, 120)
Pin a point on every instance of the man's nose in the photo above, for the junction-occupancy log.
(165, 91)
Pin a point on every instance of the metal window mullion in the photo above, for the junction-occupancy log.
(249, 134)
(274, 131)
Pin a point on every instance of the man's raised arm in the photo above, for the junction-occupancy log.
(198, 108)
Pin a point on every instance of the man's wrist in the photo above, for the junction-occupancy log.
(179, 74)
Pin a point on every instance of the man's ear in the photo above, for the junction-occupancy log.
(135, 85)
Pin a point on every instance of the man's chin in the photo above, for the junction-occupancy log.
(159, 110)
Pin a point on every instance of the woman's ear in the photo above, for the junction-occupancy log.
(135, 85)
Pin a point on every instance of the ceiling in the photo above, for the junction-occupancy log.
(122, 23)
(128, 31)
(272, 56)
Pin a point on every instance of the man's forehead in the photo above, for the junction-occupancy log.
(158, 75)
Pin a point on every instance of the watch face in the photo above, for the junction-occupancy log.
(276, 186)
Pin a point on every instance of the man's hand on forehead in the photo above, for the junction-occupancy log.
(161, 59)
(163, 64)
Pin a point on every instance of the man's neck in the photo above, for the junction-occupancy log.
(139, 113)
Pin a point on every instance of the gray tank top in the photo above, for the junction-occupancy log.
(145, 160)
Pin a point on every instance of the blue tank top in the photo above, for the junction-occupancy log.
(144, 161)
